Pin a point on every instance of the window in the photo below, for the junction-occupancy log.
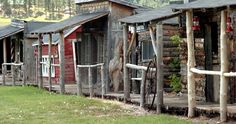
(147, 50)
(46, 67)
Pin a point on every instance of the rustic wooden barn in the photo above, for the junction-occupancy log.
(100, 26)
(70, 58)
(17, 45)
(160, 32)
(214, 21)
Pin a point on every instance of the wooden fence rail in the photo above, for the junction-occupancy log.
(91, 87)
(13, 70)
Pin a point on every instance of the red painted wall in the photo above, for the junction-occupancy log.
(69, 61)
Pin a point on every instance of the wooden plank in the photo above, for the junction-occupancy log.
(126, 71)
(50, 62)
(40, 73)
(74, 58)
(205, 72)
(62, 63)
(13, 69)
(24, 76)
(224, 68)
(209, 89)
(159, 63)
(191, 64)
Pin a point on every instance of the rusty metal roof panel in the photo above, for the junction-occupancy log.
(69, 23)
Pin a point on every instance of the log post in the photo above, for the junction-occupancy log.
(126, 71)
(62, 63)
(79, 83)
(13, 69)
(224, 68)
(90, 82)
(159, 64)
(3, 75)
(102, 80)
(191, 64)
(5, 50)
(50, 62)
(142, 94)
(23, 72)
(40, 73)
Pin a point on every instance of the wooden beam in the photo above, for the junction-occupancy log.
(79, 83)
(40, 73)
(126, 59)
(205, 72)
(5, 50)
(62, 63)
(142, 88)
(159, 63)
(4, 74)
(90, 82)
(50, 62)
(153, 39)
(191, 64)
(102, 80)
(224, 68)
(74, 58)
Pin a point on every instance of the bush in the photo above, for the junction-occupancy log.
(175, 83)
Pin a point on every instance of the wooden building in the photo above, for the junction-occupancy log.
(17, 45)
(213, 21)
(99, 28)
(70, 58)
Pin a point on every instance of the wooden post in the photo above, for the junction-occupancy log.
(3, 75)
(62, 63)
(191, 64)
(142, 94)
(102, 80)
(23, 72)
(159, 63)
(79, 83)
(224, 68)
(13, 69)
(5, 50)
(126, 71)
(74, 58)
(40, 73)
(50, 62)
(90, 82)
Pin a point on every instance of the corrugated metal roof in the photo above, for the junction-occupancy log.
(69, 23)
(160, 14)
(9, 30)
(199, 4)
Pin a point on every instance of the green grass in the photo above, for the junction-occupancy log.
(28, 105)
(4, 21)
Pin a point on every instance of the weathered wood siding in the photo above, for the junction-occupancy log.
(100, 6)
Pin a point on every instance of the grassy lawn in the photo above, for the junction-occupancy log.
(4, 21)
(30, 105)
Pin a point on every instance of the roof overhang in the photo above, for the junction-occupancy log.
(156, 15)
(70, 23)
(9, 30)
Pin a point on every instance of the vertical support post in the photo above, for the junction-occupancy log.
(191, 64)
(102, 80)
(3, 75)
(5, 50)
(224, 68)
(62, 63)
(159, 63)
(13, 69)
(40, 73)
(23, 72)
(79, 83)
(74, 58)
(90, 82)
(50, 62)
(126, 71)
(142, 100)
